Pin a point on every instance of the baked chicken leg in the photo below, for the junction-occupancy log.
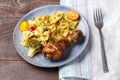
(55, 49)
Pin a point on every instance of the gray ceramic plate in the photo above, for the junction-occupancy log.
(40, 60)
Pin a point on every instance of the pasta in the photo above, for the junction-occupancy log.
(56, 26)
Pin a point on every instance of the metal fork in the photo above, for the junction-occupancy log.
(98, 20)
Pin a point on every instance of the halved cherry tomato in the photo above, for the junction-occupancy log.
(24, 26)
(73, 15)
(32, 28)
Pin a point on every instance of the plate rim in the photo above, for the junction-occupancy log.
(31, 11)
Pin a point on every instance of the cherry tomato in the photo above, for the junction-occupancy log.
(24, 26)
(32, 28)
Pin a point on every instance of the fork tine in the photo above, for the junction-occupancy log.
(98, 14)
(98, 17)
(101, 16)
(95, 16)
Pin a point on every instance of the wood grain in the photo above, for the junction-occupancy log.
(12, 67)
(17, 8)
(20, 70)
(7, 50)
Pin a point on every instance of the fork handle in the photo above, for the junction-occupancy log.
(104, 60)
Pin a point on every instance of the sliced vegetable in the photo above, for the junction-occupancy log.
(32, 28)
(24, 26)
(73, 15)
(33, 51)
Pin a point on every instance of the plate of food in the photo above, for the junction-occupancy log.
(51, 36)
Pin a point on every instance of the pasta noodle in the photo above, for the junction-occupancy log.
(56, 26)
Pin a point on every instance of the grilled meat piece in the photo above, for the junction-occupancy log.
(75, 37)
(55, 49)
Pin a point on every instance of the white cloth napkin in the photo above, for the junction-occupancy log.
(89, 64)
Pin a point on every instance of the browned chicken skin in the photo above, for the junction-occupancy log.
(75, 37)
(55, 49)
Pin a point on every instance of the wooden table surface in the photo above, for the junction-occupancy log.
(12, 66)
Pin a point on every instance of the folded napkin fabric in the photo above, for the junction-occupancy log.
(89, 64)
